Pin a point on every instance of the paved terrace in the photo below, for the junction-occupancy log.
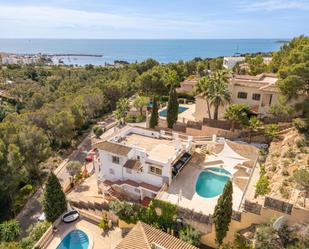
(158, 149)
(182, 191)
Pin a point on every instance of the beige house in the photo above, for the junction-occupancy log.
(259, 92)
(188, 84)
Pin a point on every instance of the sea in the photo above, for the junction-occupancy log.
(164, 51)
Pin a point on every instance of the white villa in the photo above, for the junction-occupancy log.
(138, 162)
(230, 61)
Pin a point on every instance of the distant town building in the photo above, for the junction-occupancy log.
(230, 61)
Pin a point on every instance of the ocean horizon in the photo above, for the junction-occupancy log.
(131, 50)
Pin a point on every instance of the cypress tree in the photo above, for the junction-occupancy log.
(223, 212)
(154, 114)
(54, 202)
(172, 108)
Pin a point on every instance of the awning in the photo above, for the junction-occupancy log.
(179, 165)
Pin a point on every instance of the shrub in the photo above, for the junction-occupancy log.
(273, 168)
(103, 223)
(9, 230)
(290, 153)
(286, 163)
(130, 119)
(98, 131)
(35, 233)
(190, 235)
(140, 118)
(284, 192)
(300, 124)
(285, 172)
(127, 212)
(262, 186)
(301, 143)
(301, 177)
(271, 131)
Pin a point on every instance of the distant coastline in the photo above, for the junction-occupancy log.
(102, 52)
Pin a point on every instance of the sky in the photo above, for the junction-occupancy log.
(153, 19)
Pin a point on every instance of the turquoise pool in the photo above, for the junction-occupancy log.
(210, 185)
(181, 109)
(75, 239)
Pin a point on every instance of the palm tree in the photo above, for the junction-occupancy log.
(237, 114)
(139, 102)
(254, 125)
(202, 87)
(218, 93)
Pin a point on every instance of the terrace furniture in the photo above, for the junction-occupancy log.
(70, 216)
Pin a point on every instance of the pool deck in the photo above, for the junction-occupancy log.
(97, 240)
(185, 184)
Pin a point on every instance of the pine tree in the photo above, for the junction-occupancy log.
(223, 212)
(172, 108)
(154, 114)
(54, 202)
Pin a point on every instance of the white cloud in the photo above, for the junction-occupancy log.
(48, 17)
(272, 5)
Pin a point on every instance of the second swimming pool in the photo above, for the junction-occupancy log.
(181, 109)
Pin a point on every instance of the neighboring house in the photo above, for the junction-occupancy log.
(231, 61)
(188, 85)
(144, 236)
(259, 92)
(137, 162)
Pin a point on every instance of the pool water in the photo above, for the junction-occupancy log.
(219, 170)
(181, 109)
(75, 239)
(210, 185)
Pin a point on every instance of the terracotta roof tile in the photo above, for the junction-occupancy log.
(114, 148)
(143, 236)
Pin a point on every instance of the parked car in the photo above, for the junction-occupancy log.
(42, 217)
(89, 158)
(90, 154)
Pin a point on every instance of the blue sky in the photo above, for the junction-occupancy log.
(153, 18)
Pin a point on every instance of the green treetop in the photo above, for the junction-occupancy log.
(237, 114)
(54, 202)
(172, 108)
(154, 114)
(223, 212)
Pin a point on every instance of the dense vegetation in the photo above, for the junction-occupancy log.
(52, 105)
(159, 214)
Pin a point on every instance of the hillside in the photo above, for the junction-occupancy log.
(286, 156)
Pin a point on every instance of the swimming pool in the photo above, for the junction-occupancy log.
(210, 185)
(181, 109)
(75, 239)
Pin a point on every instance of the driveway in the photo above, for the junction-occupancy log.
(33, 209)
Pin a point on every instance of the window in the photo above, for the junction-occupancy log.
(129, 171)
(256, 96)
(115, 159)
(111, 171)
(242, 95)
(137, 190)
(155, 170)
